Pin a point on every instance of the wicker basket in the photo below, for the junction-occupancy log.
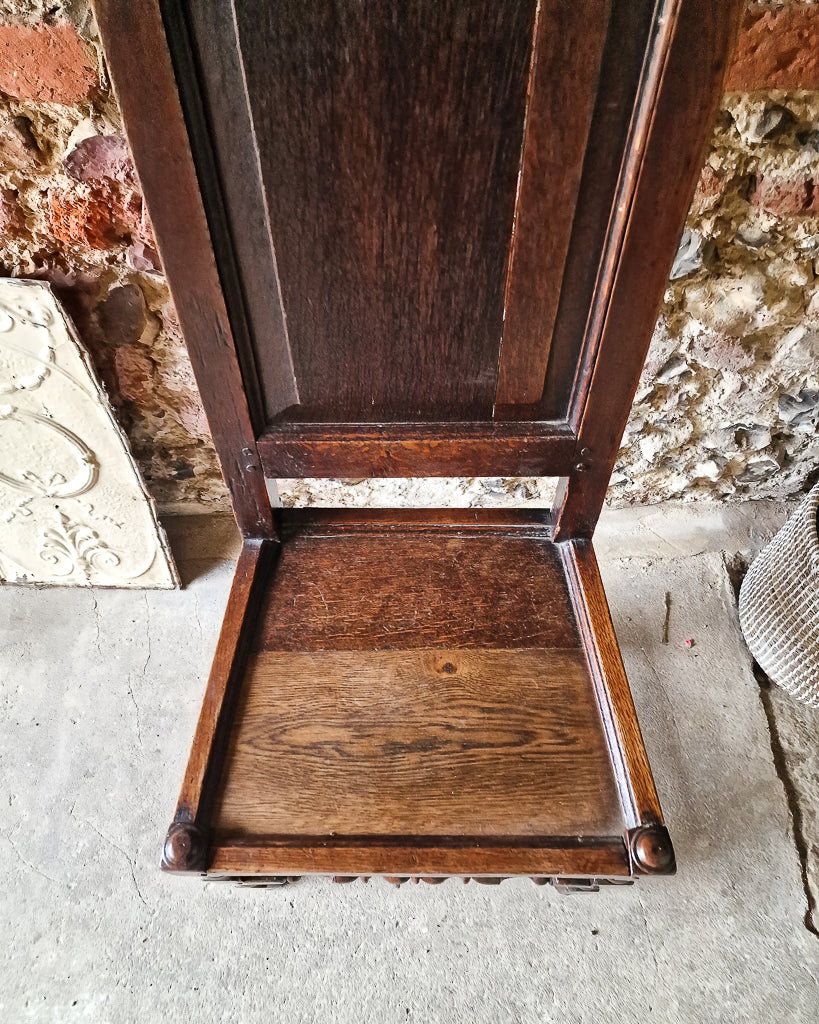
(779, 605)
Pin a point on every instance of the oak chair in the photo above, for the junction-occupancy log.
(417, 239)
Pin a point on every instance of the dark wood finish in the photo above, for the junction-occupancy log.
(629, 30)
(561, 883)
(371, 855)
(209, 72)
(420, 110)
(462, 522)
(677, 99)
(651, 850)
(418, 700)
(131, 32)
(417, 743)
(473, 210)
(637, 792)
(570, 37)
(390, 157)
(405, 449)
(184, 847)
(380, 591)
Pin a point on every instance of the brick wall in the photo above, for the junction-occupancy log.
(729, 400)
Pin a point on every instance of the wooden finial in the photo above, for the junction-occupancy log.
(651, 850)
(185, 848)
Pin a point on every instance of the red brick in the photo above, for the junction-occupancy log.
(797, 196)
(776, 49)
(45, 62)
(96, 215)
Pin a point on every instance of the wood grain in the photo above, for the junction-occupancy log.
(418, 742)
(398, 590)
(216, 714)
(375, 855)
(418, 693)
(637, 791)
(570, 38)
(390, 138)
(405, 449)
(629, 28)
(463, 522)
(130, 32)
(677, 99)
(211, 85)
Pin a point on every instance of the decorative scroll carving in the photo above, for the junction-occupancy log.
(73, 509)
(73, 547)
(55, 484)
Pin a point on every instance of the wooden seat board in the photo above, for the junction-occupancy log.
(415, 680)
(418, 742)
(386, 591)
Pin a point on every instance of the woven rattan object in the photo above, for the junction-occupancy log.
(779, 605)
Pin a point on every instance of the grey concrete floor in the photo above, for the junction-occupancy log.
(100, 691)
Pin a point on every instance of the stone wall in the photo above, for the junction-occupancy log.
(71, 213)
(729, 399)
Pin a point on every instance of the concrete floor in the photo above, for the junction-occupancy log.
(100, 691)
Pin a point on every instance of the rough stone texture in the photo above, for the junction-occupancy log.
(18, 147)
(46, 12)
(729, 397)
(71, 213)
(100, 156)
(420, 492)
(92, 931)
(12, 218)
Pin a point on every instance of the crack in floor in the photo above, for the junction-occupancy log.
(737, 566)
(115, 846)
(791, 796)
(27, 863)
(130, 687)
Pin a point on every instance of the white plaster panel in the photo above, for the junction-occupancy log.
(73, 507)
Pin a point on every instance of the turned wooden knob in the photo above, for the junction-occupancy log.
(651, 850)
(185, 848)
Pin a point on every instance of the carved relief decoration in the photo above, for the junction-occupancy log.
(73, 508)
